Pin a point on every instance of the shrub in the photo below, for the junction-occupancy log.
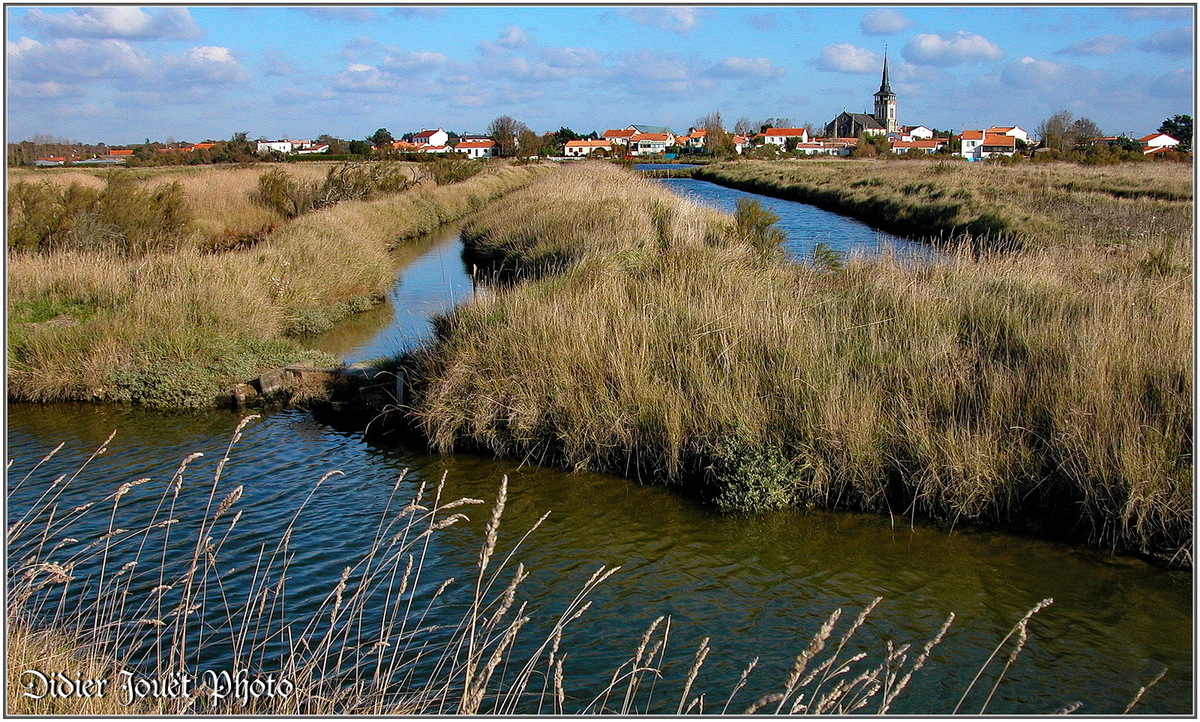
(755, 225)
(119, 218)
(280, 192)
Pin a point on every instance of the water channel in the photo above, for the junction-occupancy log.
(758, 587)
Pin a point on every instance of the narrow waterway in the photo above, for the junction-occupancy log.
(758, 587)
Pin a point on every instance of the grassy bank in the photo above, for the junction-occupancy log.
(171, 327)
(1030, 205)
(1048, 390)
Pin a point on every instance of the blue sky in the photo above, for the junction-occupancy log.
(120, 74)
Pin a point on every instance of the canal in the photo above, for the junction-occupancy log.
(758, 587)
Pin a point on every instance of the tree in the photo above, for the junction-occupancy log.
(1179, 127)
(529, 144)
(360, 147)
(564, 135)
(505, 130)
(717, 140)
(1084, 132)
(743, 126)
(381, 138)
(1055, 131)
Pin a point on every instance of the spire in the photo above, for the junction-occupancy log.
(885, 86)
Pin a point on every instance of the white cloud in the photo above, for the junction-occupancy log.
(885, 21)
(513, 37)
(342, 14)
(846, 58)
(671, 19)
(960, 47)
(412, 62)
(1176, 41)
(205, 65)
(746, 68)
(73, 59)
(1103, 45)
(117, 22)
(1033, 73)
(362, 78)
(276, 65)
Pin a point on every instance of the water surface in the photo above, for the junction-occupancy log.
(759, 587)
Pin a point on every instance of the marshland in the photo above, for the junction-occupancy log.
(975, 431)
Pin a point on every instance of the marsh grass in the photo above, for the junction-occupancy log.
(137, 584)
(1136, 205)
(172, 329)
(1046, 390)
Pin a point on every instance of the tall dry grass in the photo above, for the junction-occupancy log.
(1138, 206)
(136, 587)
(1046, 390)
(171, 329)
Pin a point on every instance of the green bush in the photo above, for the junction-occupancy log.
(751, 478)
(280, 192)
(119, 218)
(755, 225)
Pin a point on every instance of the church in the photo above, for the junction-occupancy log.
(851, 125)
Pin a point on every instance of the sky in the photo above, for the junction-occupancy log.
(122, 74)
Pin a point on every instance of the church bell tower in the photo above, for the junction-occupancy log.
(885, 101)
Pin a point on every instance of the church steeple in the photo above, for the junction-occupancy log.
(885, 100)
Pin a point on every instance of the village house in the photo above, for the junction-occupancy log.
(476, 148)
(405, 146)
(120, 152)
(1014, 131)
(283, 146)
(980, 144)
(428, 137)
(900, 147)
(741, 142)
(619, 136)
(650, 143)
(694, 139)
(780, 136)
(435, 149)
(310, 150)
(1157, 143)
(579, 148)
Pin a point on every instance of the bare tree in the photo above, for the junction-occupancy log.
(506, 131)
(1055, 131)
(1084, 131)
(744, 126)
(716, 138)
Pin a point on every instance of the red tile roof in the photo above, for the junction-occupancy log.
(425, 134)
(650, 136)
(972, 135)
(999, 139)
(476, 144)
(619, 133)
(785, 132)
(119, 151)
(588, 144)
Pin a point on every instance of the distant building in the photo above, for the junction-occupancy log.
(980, 144)
(437, 137)
(780, 136)
(1157, 143)
(900, 147)
(852, 125)
(477, 148)
(619, 136)
(1015, 131)
(578, 148)
(649, 143)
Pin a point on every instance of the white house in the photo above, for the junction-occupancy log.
(477, 148)
(900, 147)
(780, 136)
(313, 149)
(437, 137)
(1157, 142)
(649, 143)
(741, 142)
(619, 136)
(979, 144)
(1014, 131)
(835, 146)
(435, 149)
(279, 146)
(578, 148)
